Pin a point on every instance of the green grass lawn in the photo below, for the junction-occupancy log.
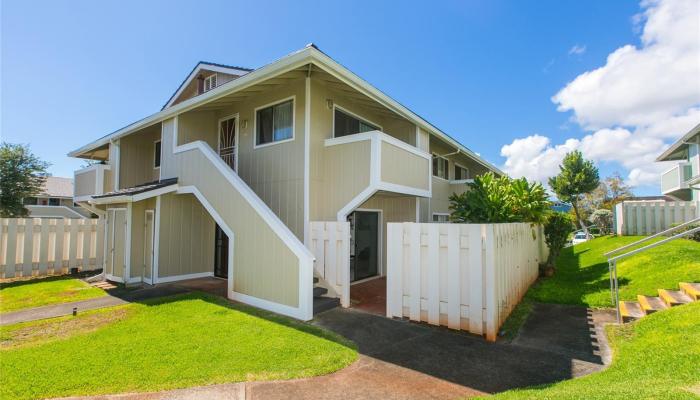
(581, 277)
(175, 342)
(657, 357)
(44, 291)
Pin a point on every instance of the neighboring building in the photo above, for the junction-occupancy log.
(561, 206)
(682, 182)
(228, 176)
(55, 201)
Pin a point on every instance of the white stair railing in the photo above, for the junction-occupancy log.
(613, 259)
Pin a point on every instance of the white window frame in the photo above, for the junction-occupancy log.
(464, 168)
(447, 169)
(237, 137)
(432, 218)
(211, 79)
(255, 123)
(352, 114)
(154, 153)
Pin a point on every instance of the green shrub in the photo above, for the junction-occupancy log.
(492, 199)
(693, 236)
(603, 220)
(556, 231)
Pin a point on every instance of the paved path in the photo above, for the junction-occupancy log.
(403, 360)
(113, 298)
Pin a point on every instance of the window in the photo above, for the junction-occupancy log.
(30, 201)
(441, 218)
(54, 202)
(156, 154)
(346, 124)
(209, 82)
(274, 123)
(461, 173)
(440, 167)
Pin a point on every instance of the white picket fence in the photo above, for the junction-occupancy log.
(49, 246)
(650, 217)
(463, 276)
(330, 245)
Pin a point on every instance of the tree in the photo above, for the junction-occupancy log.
(22, 175)
(577, 176)
(556, 232)
(603, 219)
(492, 199)
(608, 193)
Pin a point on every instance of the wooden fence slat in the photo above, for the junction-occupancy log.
(344, 265)
(73, 247)
(433, 274)
(87, 237)
(28, 247)
(99, 244)
(394, 272)
(11, 258)
(44, 246)
(59, 247)
(454, 300)
(475, 279)
(414, 268)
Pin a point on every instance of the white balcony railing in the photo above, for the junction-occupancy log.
(91, 181)
(676, 178)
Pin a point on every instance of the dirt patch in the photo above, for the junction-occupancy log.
(61, 328)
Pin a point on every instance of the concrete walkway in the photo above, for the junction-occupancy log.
(404, 360)
(113, 298)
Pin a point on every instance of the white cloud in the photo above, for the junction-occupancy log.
(577, 50)
(634, 105)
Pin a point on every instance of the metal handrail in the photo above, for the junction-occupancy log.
(675, 228)
(612, 261)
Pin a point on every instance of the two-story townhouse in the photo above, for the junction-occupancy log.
(682, 181)
(226, 179)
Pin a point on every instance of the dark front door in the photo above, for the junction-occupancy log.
(364, 259)
(220, 253)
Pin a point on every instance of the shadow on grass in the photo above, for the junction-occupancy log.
(249, 310)
(36, 279)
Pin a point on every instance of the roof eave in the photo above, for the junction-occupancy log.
(683, 141)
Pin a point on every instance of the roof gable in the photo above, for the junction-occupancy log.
(189, 87)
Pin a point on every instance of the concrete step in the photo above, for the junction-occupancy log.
(674, 297)
(630, 311)
(651, 304)
(691, 289)
(319, 291)
(322, 304)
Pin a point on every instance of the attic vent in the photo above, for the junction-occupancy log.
(209, 82)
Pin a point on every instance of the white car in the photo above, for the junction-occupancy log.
(579, 237)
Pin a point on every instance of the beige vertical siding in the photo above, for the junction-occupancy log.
(119, 239)
(264, 266)
(107, 182)
(346, 173)
(440, 202)
(137, 157)
(186, 241)
(138, 238)
(404, 168)
(198, 125)
(321, 183)
(85, 183)
(394, 209)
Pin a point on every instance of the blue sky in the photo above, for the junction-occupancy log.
(483, 71)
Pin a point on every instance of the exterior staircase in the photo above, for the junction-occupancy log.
(322, 303)
(645, 305)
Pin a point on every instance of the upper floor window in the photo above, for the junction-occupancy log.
(440, 167)
(54, 202)
(346, 124)
(209, 82)
(274, 123)
(461, 173)
(441, 218)
(156, 154)
(30, 201)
